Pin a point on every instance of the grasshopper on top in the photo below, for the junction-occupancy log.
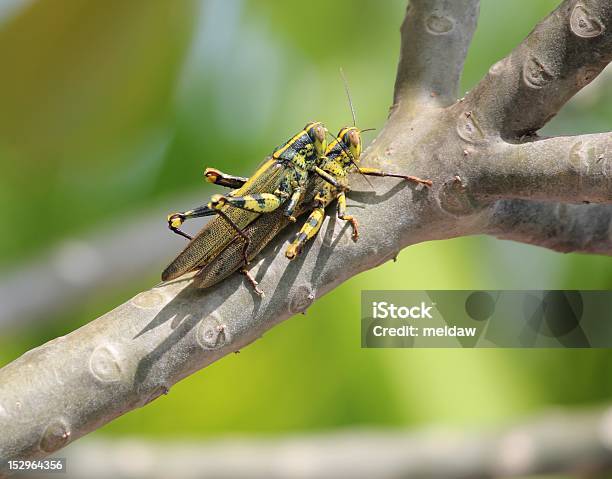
(280, 180)
(342, 155)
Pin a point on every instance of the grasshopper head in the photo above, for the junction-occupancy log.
(317, 133)
(350, 138)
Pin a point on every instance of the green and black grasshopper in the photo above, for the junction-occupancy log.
(328, 182)
(342, 156)
(305, 171)
(280, 180)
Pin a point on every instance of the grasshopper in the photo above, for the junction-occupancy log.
(279, 180)
(329, 182)
(342, 155)
(325, 179)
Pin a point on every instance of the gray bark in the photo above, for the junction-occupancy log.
(74, 384)
(561, 442)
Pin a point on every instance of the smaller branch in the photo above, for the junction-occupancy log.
(557, 226)
(564, 53)
(572, 169)
(435, 39)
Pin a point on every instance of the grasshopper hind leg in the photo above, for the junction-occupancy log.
(217, 177)
(239, 232)
(175, 220)
(256, 203)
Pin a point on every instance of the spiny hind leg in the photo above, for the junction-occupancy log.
(257, 203)
(239, 232)
(412, 179)
(343, 216)
(308, 231)
(217, 177)
(175, 220)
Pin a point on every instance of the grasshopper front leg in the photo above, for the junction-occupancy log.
(343, 216)
(308, 231)
(330, 179)
(378, 172)
(294, 200)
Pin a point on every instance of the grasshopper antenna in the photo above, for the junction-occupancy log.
(346, 150)
(348, 95)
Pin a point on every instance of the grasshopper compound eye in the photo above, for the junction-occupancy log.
(319, 133)
(354, 138)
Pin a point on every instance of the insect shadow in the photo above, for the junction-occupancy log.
(372, 197)
(181, 325)
(207, 301)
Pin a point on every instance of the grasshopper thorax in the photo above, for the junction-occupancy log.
(307, 146)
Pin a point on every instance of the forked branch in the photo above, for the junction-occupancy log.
(435, 37)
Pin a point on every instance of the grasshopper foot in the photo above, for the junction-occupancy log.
(293, 250)
(355, 234)
(253, 282)
(418, 181)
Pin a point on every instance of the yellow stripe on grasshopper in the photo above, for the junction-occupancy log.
(260, 203)
(305, 131)
(260, 171)
(279, 152)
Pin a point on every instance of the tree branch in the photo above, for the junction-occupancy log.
(128, 357)
(556, 226)
(555, 443)
(561, 55)
(435, 38)
(573, 169)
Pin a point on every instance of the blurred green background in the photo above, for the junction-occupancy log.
(109, 108)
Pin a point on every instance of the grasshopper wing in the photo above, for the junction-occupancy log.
(217, 233)
(260, 232)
